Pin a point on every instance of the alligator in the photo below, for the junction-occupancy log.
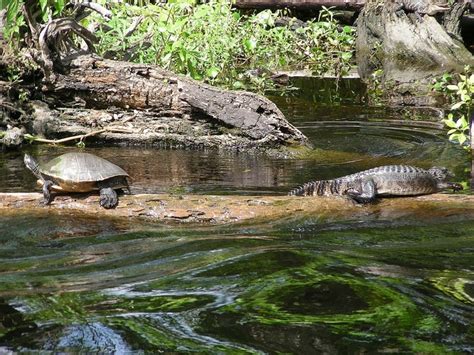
(420, 7)
(388, 180)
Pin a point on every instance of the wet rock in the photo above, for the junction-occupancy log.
(13, 137)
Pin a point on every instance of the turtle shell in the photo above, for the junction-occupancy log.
(81, 172)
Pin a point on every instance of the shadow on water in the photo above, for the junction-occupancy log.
(373, 283)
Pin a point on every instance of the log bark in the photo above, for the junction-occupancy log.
(232, 209)
(409, 48)
(159, 107)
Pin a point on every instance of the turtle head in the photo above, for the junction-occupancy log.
(32, 165)
(440, 173)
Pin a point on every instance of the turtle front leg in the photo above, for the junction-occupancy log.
(47, 192)
(108, 198)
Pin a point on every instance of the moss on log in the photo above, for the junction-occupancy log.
(230, 209)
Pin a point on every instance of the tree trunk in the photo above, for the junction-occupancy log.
(231, 209)
(157, 107)
(411, 48)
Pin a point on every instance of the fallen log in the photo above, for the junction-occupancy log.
(157, 107)
(83, 95)
(230, 209)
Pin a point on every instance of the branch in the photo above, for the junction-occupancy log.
(79, 136)
(11, 108)
(34, 28)
(133, 26)
(105, 13)
(51, 31)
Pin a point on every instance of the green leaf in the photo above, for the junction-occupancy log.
(457, 105)
(446, 77)
(450, 123)
(236, 16)
(81, 144)
(471, 80)
(465, 98)
(237, 85)
(12, 11)
(452, 87)
(59, 6)
(250, 44)
(462, 122)
(347, 29)
(346, 55)
(43, 4)
(462, 138)
(212, 72)
(45, 15)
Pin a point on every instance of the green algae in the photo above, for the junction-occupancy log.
(296, 286)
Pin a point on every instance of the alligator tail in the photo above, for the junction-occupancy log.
(304, 190)
(318, 188)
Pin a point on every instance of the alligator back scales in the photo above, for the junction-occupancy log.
(394, 180)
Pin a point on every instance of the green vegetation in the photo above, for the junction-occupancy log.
(218, 44)
(459, 89)
(375, 90)
(211, 42)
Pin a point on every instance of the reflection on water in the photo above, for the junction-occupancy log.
(341, 148)
(378, 283)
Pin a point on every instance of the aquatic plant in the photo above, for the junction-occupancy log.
(459, 89)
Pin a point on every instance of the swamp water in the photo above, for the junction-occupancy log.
(303, 285)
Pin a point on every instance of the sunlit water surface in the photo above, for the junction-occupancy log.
(378, 283)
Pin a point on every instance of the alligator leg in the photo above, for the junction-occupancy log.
(366, 195)
(47, 192)
(449, 185)
(454, 186)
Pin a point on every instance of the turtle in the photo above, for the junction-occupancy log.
(80, 172)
